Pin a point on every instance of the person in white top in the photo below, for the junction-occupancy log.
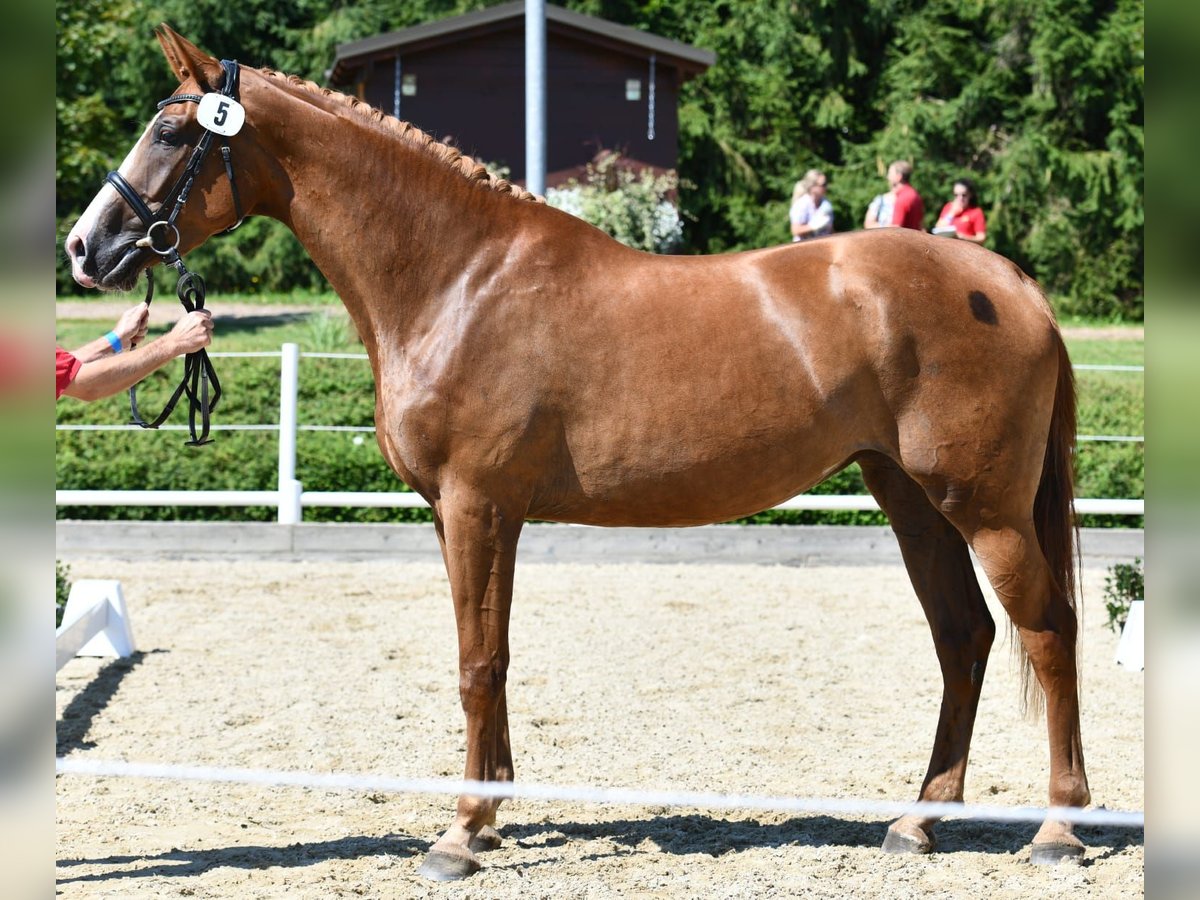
(811, 214)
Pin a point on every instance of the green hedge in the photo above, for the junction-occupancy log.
(341, 392)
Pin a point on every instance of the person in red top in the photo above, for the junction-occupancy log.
(102, 367)
(909, 208)
(963, 213)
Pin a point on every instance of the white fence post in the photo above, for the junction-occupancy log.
(289, 487)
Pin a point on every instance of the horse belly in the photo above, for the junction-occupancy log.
(711, 469)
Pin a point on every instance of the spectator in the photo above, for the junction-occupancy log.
(908, 210)
(811, 214)
(879, 212)
(102, 368)
(962, 216)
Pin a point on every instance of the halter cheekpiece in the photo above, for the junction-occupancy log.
(162, 236)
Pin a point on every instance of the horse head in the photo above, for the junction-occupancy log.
(177, 186)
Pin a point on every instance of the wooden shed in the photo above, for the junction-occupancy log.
(608, 87)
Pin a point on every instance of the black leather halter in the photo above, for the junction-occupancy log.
(162, 237)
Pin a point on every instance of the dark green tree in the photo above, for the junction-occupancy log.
(1041, 103)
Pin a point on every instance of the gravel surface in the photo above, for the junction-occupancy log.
(796, 681)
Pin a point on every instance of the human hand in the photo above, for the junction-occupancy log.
(131, 327)
(192, 332)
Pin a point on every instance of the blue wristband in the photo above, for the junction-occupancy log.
(113, 341)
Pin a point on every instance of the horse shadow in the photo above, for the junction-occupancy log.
(676, 835)
(690, 834)
(254, 323)
(70, 730)
(183, 863)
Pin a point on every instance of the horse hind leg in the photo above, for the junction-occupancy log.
(1046, 623)
(943, 577)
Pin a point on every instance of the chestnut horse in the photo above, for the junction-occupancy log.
(529, 366)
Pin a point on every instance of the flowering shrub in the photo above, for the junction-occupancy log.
(633, 207)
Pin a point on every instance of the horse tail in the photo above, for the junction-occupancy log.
(1053, 511)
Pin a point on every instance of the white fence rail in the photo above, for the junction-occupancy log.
(290, 498)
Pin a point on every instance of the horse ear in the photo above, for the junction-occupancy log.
(187, 60)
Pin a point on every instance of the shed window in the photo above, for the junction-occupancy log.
(408, 85)
(633, 89)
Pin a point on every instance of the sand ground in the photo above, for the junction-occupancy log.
(797, 681)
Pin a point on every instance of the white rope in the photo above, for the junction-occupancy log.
(1083, 438)
(691, 799)
(1086, 367)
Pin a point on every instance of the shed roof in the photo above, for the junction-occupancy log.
(689, 60)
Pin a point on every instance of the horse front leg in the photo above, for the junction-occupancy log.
(479, 545)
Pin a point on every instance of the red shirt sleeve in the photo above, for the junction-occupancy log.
(66, 367)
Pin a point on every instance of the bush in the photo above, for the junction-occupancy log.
(62, 590)
(636, 208)
(1124, 584)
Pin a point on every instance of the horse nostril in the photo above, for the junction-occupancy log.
(76, 248)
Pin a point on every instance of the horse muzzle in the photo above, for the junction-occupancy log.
(106, 263)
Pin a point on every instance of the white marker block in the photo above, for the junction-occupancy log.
(95, 622)
(1131, 650)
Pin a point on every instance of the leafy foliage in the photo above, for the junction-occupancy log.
(1125, 583)
(1041, 102)
(62, 590)
(633, 207)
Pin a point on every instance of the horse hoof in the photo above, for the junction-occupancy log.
(439, 866)
(1053, 854)
(488, 838)
(896, 842)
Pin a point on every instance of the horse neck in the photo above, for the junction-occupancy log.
(389, 226)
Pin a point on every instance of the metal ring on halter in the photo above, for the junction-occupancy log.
(154, 245)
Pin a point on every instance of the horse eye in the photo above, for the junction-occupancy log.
(167, 135)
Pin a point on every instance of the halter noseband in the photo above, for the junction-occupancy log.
(162, 236)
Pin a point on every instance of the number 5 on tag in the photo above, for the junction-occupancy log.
(221, 114)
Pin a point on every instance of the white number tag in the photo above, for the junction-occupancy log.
(221, 114)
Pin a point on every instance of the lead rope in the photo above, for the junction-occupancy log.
(198, 371)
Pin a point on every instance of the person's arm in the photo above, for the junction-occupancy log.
(114, 373)
(129, 330)
(874, 208)
(798, 218)
(980, 224)
(822, 222)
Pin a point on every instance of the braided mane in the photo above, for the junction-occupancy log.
(451, 157)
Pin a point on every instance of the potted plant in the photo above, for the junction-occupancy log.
(1124, 599)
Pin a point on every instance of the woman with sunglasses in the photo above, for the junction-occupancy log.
(962, 216)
